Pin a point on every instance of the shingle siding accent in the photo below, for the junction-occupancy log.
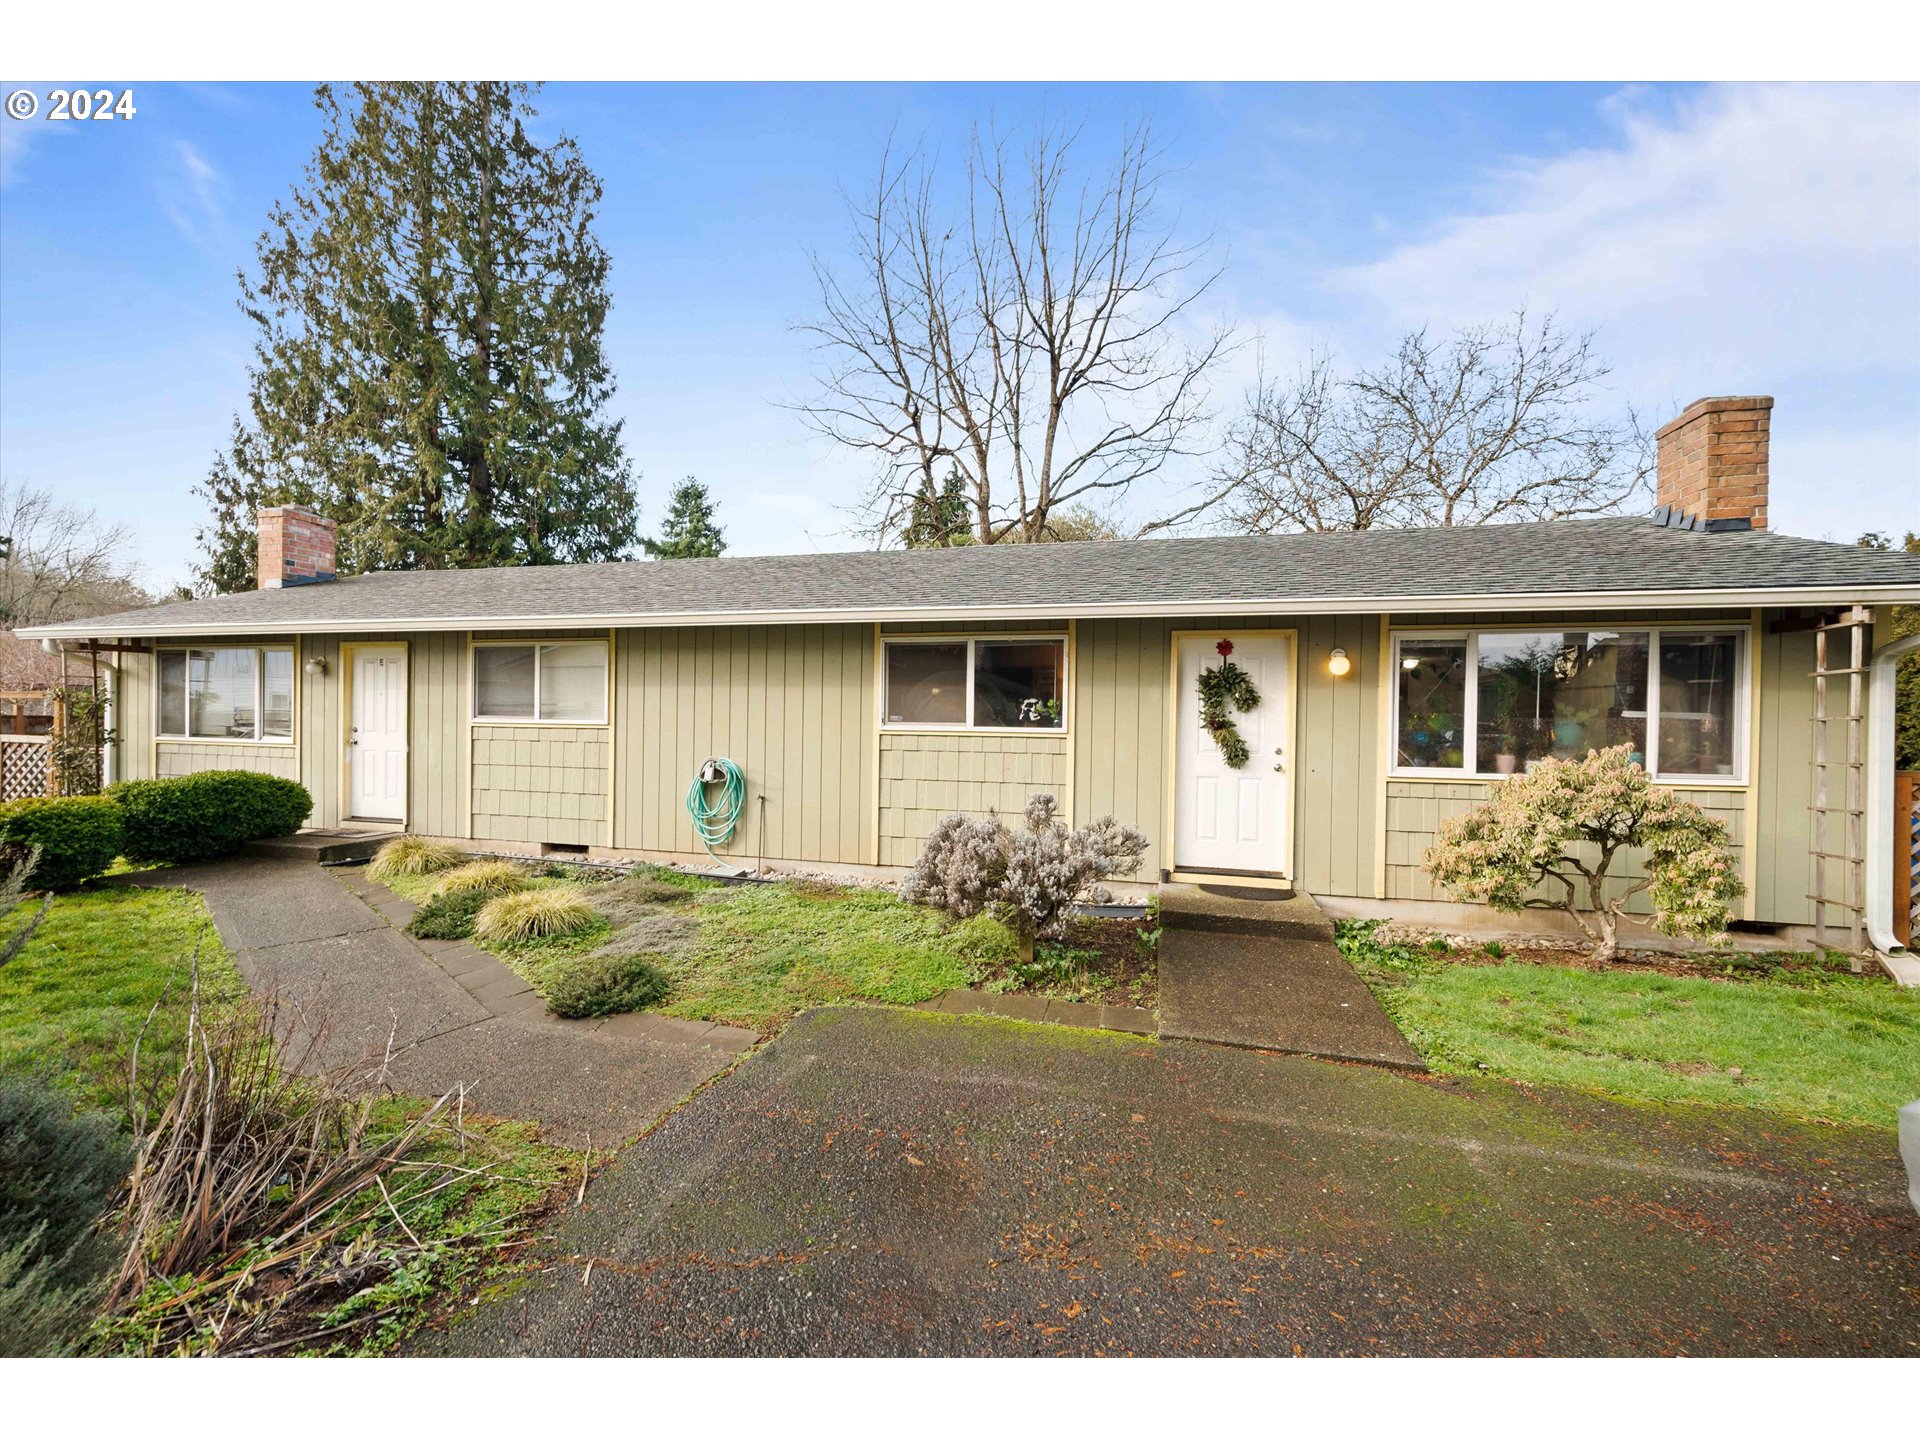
(541, 784)
(176, 757)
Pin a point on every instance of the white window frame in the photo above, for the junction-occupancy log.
(888, 642)
(260, 653)
(606, 680)
(1470, 709)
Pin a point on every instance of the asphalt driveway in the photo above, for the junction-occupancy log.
(886, 1182)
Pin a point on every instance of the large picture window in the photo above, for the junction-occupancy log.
(226, 692)
(1498, 702)
(563, 682)
(1011, 683)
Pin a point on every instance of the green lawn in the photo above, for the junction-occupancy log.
(75, 998)
(1825, 1047)
(767, 952)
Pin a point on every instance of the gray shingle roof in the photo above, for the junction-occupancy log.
(1546, 565)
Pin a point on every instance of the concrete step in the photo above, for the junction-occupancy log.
(1243, 910)
(322, 846)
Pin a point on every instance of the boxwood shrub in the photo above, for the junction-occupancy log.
(204, 816)
(78, 836)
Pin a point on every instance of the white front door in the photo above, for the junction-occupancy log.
(377, 734)
(1227, 819)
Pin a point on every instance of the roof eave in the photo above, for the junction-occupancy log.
(1615, 600)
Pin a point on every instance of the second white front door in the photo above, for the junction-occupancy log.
(377, 734)
(1227, 819)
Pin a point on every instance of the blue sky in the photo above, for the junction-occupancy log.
(1720, 239)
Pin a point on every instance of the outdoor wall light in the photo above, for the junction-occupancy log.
(1410, 662)
(315, 665)
(1338, 663)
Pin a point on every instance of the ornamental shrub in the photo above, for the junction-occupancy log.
(58, 1169)
(412, 855)
(489, 877)
(78, 836)
(606, 985)
(535, 915)
(206, 815)
(1558, 828)
(1027, 878)
(448, 916)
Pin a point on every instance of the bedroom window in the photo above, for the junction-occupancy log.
(226, 692)
(562, 682)
(1498, 702)
(1004, 683)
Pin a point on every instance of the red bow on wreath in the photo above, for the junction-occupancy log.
(1225, 647)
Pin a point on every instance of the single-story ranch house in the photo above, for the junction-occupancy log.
(1400, 673)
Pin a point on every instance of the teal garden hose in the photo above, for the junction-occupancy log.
(714, 820)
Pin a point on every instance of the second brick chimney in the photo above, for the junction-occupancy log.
(297, 546)
(1713, 461)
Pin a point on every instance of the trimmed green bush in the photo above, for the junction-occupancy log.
(606, 985)
(58, 1170)
(78, 838)
(449, 916)
(204, 816)
(413, 855)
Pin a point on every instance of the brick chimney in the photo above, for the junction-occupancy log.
(297, 546)
(1713, 461)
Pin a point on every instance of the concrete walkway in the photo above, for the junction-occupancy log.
(352, 983)
(1238, 967)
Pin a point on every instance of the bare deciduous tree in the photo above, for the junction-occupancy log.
(1025, 338)
(1491, 425)
(61, 561)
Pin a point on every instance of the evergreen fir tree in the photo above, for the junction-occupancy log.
(940, 520)
(428, 367)
(689, 531)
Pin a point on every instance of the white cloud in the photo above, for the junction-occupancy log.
(193, 204)
(1755, 234)
(1750, 239)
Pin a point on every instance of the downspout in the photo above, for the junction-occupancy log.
(1879, 817)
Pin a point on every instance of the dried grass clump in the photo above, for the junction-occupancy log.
(535, 915)
(261, 1199)
(412, 855)
(491, 877)
(646, 888)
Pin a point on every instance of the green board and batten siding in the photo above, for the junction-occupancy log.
(796, 706)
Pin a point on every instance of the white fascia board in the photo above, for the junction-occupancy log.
(1592, 600)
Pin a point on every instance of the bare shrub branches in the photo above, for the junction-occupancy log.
(1018, 343)
(1491, 425)
(268, 1210)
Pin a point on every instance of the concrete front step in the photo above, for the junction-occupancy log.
(323, 847)
(1241, 910)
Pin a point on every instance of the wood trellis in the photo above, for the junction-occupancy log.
(26, 761)
(1840, 804)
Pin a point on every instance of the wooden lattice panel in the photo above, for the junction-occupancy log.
(23, 768)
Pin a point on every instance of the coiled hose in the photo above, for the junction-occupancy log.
(714, 822)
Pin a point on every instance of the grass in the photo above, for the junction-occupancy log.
(71, 1004)
(767, 952)
(1815, 1045)
(75, 998)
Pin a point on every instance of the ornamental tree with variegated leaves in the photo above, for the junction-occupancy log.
(1561, 826)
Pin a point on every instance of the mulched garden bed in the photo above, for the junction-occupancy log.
(1100, 959)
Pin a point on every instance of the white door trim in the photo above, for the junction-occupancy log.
(1289, 864)
(348, 660)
